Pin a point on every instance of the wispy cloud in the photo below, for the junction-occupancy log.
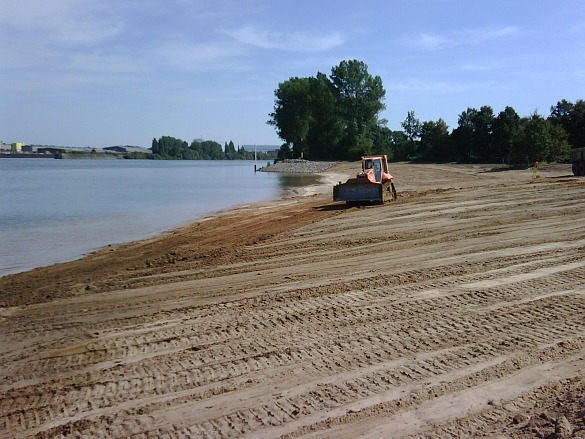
(478, 67)
(440, 87)
(483, 34)
(50, 35)
(86, 36)
(431, 42)
(65, 21)
(196, 56)
(294, 41)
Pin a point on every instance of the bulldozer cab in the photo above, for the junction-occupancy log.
(375, 165)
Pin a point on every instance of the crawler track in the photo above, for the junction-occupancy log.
(449, 313)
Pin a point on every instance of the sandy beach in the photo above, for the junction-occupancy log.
(456, 311)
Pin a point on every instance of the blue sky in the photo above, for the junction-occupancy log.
(117, 72)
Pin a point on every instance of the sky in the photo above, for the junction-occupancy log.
(122, 72)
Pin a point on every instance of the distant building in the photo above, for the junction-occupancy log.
(127, 149)
(50, 150)
(5, 146)
(16, 147)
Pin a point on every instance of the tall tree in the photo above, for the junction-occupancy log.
(292, 112)
(360, 99)
(331, 117)
(412, 127)
(383, 140)
(326, 124)
(505, 130)
(572, 118)
(482, 133)
(471, 140)
(434, 140)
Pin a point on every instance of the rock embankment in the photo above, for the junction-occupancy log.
(298, 166)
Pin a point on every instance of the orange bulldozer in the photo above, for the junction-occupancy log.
(373, 184)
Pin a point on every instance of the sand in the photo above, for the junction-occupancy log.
(456, 311)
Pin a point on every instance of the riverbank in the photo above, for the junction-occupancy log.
(206, 241)
(58, 210)
(26, 156)
(456, 311)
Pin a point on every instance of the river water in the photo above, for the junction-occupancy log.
(58, 210)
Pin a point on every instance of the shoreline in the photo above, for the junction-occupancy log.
(112, 259)
(78, 249)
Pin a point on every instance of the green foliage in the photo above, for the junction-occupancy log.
(284, 152)
(329, 117)
(540, 140)
(412, 129)
(471, 140)
(434, 140)
(359, 101)
(292, 112)
(138, 155)
(385, 141)
(323, 139)
(482, 137)
(170, 148)
(572, 118)
(505, 130)
(230, 151)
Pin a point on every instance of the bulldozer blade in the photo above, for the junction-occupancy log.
(358, 190)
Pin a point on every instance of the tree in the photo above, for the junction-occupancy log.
(462, 136)
(284, 152)
(572, 118)
(505, 130)
(169, 147)
(326, 124)
(434, 140)
(383, 140)
(412, 127)
(230, 151)
(540, 140)
(329, 117)
(291, 115)
(482, 133)
(471, 140)
(399, 143)
(360, 99)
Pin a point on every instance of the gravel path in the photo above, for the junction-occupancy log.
(298, 166)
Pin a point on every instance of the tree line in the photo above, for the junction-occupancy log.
(336, 117)
(483, 136)
(171, 148)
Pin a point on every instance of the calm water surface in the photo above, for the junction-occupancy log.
(57, 210)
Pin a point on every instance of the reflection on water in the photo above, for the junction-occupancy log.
(58, 210)
(289, 182)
